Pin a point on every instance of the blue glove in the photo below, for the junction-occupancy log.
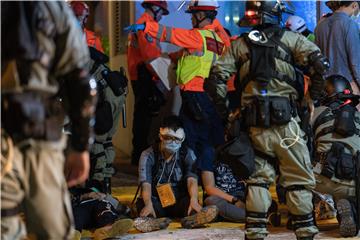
(135, 28)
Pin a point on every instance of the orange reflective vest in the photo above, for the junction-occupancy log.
(142, 48)
(191, 40)
(93, 40)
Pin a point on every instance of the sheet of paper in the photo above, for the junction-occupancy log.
(165, 70)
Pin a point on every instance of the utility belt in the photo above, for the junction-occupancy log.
(31, 115)
(337, 162)
(265, 111)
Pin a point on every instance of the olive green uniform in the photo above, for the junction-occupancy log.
(339, 188)
(293, 162)
(102, 150)
(32, 177)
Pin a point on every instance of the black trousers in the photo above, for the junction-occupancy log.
(178, 210)
(141, 121)
(94, 214)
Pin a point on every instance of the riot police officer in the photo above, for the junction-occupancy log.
(264, 59)
(112, 87)
(336, 127)
(42, 49)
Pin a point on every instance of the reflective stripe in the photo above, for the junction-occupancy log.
(159, 34)
(168, 34)
(214, 54)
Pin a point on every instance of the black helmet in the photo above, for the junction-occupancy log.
(337, 88)
(337, 84)
(263, 12)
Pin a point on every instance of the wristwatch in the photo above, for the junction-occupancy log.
(234, 200)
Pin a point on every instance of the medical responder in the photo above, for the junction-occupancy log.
(336, 127)
(142, 48)
(202, 46)
(265, 59)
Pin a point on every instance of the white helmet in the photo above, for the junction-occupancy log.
(296, 24)
(201, 5)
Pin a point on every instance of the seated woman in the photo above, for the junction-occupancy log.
(168, 182)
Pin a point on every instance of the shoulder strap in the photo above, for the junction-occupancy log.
(156, 160)
(323, 118)
(276, 39)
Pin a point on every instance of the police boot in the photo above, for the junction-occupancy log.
(346, 218)
(274, 217)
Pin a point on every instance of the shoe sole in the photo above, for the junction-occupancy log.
(206, 215)
(121, 226)
(347, 224)
(144, 225)
(118, 228)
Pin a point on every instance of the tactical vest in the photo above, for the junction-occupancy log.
(343, 121)
(265, 46)
(198, 63)
(337, 137)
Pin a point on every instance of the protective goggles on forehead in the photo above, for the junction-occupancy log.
(167, 138)
(168, 134)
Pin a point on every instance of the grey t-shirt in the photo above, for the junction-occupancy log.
(163, 172)
(338, 37)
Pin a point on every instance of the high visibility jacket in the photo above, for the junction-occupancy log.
(191, 40)
(198, 63)
(93, 40)
(142, 48)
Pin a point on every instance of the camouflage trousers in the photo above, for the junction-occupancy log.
(295, 174)
(339, 189)
(33, 183)
(102, 152)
